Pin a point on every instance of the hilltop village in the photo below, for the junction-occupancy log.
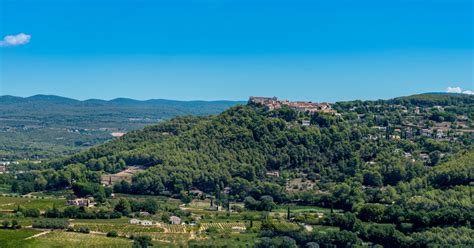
(273, 103)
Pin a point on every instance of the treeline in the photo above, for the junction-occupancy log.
(351, 232)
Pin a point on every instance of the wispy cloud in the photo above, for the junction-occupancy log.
(15, 40)
(459, 90)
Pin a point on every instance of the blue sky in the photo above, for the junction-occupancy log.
(325, 50)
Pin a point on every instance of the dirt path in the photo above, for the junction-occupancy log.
(39, 234)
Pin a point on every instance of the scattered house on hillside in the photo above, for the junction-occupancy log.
(305, 123)
(175, 220)
(424, 156)
(141, 222)
(383, 129)
(3, 169)
(439, 108)
(134, 221)
(117, 134)
(146, 222)
(426, 132)
(79, 202)
(417, 110)
(144, 214)
(396, 137)
(226, 190)
(214, 208)
(273, 173)
(196, 192)
(439, 134)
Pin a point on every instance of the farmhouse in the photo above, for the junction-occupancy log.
(141, 222)
(79, 202)
(196, 192)
(134, 221)
(175, 220)
(273, 173)
(146, 222)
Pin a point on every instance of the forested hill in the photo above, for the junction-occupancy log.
(246, 144)
(398, 174)
(45, 126)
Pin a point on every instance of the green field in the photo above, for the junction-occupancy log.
(228, 240)
(303, 209)
(15, 238)
(77, 240)
(11, 203)
(122, 229)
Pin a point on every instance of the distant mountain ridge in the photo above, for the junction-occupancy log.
(6, 99)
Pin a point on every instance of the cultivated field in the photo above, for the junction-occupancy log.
(77, 240)
(11, 203)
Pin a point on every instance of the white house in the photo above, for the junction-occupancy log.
(134, 221)
(146, 222)
(141, 222)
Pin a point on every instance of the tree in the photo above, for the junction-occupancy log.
(142, 241)
(150, 206)
(5, 223)
(288, 213)
(266, 203)
(372, 212)
(123, 206)
(372, 178)
(251, 203)
(15, 224)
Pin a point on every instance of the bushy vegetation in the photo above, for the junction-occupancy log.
(51, 223)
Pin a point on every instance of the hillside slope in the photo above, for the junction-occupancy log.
(43, 126)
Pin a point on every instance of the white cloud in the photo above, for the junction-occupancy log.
(454, 90)
(15, 40)
(459, 90)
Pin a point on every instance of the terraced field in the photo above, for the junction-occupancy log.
(175, 228)
(224, 226)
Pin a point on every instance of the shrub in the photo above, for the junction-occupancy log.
(84, 230)
(5, 223)
(51, 224)
(112, 234)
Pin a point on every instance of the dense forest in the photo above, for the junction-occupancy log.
(399, 171)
